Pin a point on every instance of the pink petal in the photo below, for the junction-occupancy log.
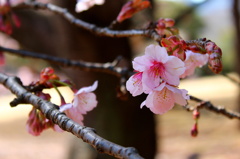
(143, 104)
(141, 63)
(65, 107)
(149, 80)
(192, 61)
(171, 79)
(157, 53)
(85, 102)
(159, 102)
(75, 115)
(175, 66)
(160, 87)
(83, 5)
(134, 84)
(88, 89)
(180, 95)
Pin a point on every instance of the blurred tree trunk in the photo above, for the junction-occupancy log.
(119, 121)
(236, 16)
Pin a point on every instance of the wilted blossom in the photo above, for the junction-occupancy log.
(158, 75)
(132, 7)
(192, 61)
(83, 102)
(37, 122)
(83, 5)
(7, 17)
(163, 98)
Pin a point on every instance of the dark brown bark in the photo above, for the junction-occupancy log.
(119, 121)
(236, 17)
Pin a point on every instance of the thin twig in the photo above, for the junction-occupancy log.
(217, 109)
(51, 112)
(232, 79)
(108, 67)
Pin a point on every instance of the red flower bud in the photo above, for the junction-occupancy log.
(215, 55)
(131, 8)
(194, 130)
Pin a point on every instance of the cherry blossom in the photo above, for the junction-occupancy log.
(158, 75)
(83, 102)
(156, 66)
(192, 61)
(11, 2)
(163, 98)
(83, 5)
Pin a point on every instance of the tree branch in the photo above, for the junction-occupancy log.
(51, 112)
(217, 109)
(100, 31)
(109, 67)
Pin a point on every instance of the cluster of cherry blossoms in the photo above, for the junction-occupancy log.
(158, 71)
(84, 101)
(158, 75)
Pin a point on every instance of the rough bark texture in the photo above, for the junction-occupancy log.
(52, 113)
(119, 121)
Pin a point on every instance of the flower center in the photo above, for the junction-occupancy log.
(157, 69)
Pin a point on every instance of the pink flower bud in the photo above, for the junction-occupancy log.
(164, 27)
(196, 114)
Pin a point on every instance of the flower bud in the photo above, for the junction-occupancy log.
(196, 114)
(194, 130)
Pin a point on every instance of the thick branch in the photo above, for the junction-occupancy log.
(51, 112)
(217, 109)
(105, 31)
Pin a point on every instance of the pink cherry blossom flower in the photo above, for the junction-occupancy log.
(84, 101)
(163, 98)
(156, 66)
(83, 5)
(192, 61)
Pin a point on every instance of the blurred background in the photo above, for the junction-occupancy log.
(161, 137)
